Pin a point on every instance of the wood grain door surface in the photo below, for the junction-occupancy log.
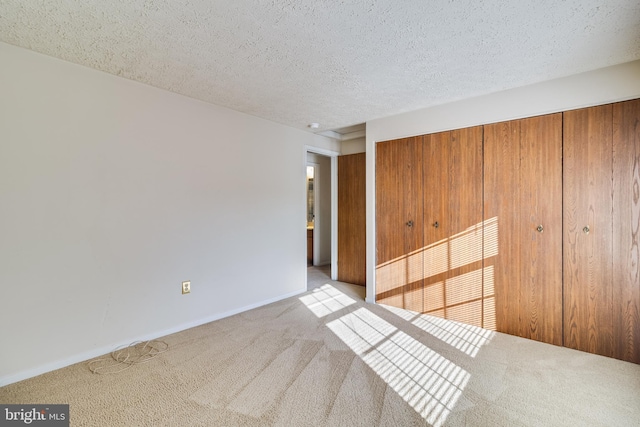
(626, 231)
(452, 174)
(556, 202)
(399, 223)
(602, 223)
(587, 216)
(352, 219)
(523, 195)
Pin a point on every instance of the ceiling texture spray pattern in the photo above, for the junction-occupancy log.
(334, 62)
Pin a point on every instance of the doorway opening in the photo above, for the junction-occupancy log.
(311, 203)
(321, 209)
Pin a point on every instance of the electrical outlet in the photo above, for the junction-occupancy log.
(186, 287)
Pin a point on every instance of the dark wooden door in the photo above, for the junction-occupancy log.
(436, 249)
(523, 226)
(541, 198)
(626, 231)
(352, 219)
(452, 174)
(399, 224)
(501, 207)
(588, 246)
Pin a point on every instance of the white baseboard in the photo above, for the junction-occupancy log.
(87, 355)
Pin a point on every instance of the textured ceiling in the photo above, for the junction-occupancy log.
(338, 63)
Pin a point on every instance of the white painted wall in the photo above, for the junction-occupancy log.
(113, 192)
(353, 146)
(325, 145)
(611, 84)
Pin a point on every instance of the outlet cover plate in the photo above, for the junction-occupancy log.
(186, 287)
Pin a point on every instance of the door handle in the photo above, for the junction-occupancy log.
(540, 228)
(410, 223)
(586, 229)
(436, 224)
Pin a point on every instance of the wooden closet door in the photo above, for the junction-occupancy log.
(352, 219)
(399, 223)
(541, 199)
(523, 225)
(502, 207)
(436, 249)
(588, 246)
(453, 225)
(465, 227)
(626, 231)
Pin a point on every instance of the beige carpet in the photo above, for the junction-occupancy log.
(326, 358)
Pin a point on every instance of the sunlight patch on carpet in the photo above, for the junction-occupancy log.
(427, 381)
(326, 300)
(466, 338)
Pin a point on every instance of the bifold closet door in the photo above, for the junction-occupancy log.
(453, 276)
(626, 230)
(352, 219)
(523, 225)
(399, 223)
(602, 230)
(588, 246)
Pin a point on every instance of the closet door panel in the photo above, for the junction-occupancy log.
(399, 223)
(523, 190)
(587, 223)
(464, 227)
(390, 215)
(352, 219)
(413, 295)
(501, 208)
(453, 225)
(541, 228)
(626, 231)
(436, 252)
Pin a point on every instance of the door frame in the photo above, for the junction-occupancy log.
(333, 155)
(317, 219)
